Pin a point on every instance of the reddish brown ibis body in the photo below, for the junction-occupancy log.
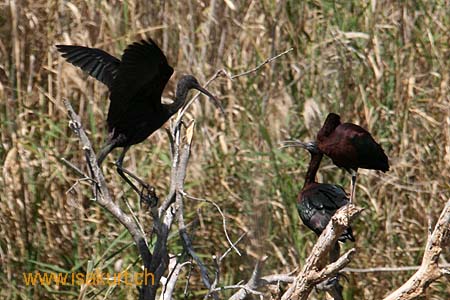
(350, 147)
(136, 84)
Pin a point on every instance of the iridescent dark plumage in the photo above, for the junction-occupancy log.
(136, 84)
(316, 205)
(350, 147)
(317, 202)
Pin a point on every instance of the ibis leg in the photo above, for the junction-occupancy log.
(332, 287)
(121, 172)
(336, 289)
(150, 196)
(353, 186)
(105, 151)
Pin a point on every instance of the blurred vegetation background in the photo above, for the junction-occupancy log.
(381, 64)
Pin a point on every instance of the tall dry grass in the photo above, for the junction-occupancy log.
(381, 64)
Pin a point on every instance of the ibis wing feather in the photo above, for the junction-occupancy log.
(97, 63)
(370, 154)
(142, 76)
(319, 203)
(351, 146)
(327, 197)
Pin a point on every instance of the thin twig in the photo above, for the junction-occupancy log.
(253, 284)
(387, 269)
(224, 222)
(263, 281)
(141, 228)
(75, 168)
(187, 244)
(188, 277)
(77, 182)
(171, 281)
(223, 73)
(234, 244)
(216, 281)
(261, 64)
(238, 286)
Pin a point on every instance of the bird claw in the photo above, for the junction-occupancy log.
(75, 126)
(148, 196)
(328, 284)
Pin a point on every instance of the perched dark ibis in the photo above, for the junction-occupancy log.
(316, 205)
(135, 83)
(317, 202)
(350, 147)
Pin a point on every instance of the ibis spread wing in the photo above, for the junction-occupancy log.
(97, 63)
(141, 77)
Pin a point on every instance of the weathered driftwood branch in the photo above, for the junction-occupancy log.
(429, 271)
(256, 282)
(252, 285)
(316, 269)
(105, 199)
(170, 284)
(158, 261)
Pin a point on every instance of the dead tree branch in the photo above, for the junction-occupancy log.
(164, 217)
(252, 285)
(387, 269)
(223, 73)
(429, 271)
(157, 262)
(105, 199)
(316, 269)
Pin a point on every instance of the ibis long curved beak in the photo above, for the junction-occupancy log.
(211, 98)
(310, 146)
(292, 143)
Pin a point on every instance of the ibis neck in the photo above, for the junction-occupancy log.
(180, 98)
(314, 164)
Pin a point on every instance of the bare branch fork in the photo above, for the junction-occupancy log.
(224, 73)
(158, 261)
(315, 269)
(105, 199)
(430, 270)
